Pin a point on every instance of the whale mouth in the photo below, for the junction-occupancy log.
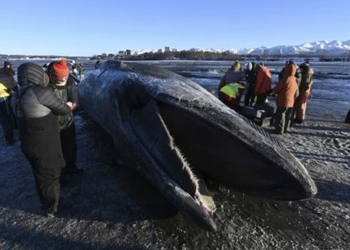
(220, 153)
(177, 146)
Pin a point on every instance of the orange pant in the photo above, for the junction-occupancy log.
(300, 105)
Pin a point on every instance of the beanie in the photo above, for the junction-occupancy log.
(236, 65)
(249, 66)
(60, 71)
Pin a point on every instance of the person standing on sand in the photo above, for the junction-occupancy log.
(304, 92)
(286, 91)
(81, 71)
(36, 108)
(263, 83)
(65, 89)
(7, 119)
(7, 69)
(249, 97)
(74, 69)
(97, 64)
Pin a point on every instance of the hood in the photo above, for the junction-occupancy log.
(31, 74)
(290, 70)
(6, 63)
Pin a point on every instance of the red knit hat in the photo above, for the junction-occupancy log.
(60, 70)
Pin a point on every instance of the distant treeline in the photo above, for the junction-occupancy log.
(206, 55)
(34, 57)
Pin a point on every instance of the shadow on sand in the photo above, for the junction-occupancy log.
(333, 191)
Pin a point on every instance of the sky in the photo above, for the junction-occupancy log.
(87, 28)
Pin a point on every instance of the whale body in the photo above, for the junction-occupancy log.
(173, 131)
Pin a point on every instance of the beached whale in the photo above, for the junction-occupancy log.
(172, 130)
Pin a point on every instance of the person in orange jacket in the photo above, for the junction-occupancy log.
(286, 91)
(263, 84)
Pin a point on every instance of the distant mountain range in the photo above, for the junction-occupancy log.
(318, 48)
(314, 49)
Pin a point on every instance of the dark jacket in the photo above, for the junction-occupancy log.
(35, 105)
(66, 93)
(8, 71)
(8, 80)
(251, 77)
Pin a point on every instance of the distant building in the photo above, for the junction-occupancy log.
(167, 49)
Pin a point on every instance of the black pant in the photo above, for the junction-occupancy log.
(261, 99)
(46, 159)
(249, 97)
(7, 119)
(69, 145)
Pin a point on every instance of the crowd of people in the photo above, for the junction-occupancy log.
(292, 90)
(41, 104)
(78, 71)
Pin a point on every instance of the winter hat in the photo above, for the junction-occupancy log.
(236, 65)
(7, 63)
(249, 66)
(304, 66)
(291, 61)
(60, 71)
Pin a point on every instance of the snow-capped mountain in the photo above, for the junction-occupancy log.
(335, 48)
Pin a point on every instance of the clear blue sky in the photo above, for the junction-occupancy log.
(85, 28)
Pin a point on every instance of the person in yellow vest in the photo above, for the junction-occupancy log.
(232, 86)
(7, 85)
(3, 91)
(231, 95)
